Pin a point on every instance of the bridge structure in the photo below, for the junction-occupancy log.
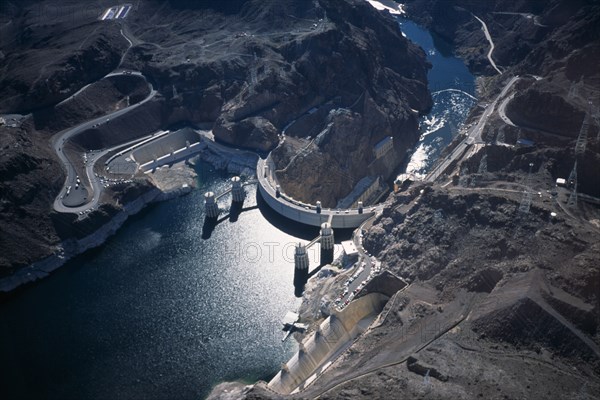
(301, 261)
(325, 238)
(238, 194)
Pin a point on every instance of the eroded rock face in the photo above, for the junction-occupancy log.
(326, 167)
(30, 87)
(277, 71)
(545, 111)
(253, 132)
(29, 179)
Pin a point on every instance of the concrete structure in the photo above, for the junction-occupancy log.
(290, 319)
(291, 324)
(116, 12)
(525, 143)
(165, 145)
(211, 208)
(327, 243)
(237, 190)
(332, 337)
(301, 257)
(363, 190)
(403, 180)
(385, 145)
(300, 212)
(350, 252)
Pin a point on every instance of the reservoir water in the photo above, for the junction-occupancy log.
(165, 309)
(158, 311)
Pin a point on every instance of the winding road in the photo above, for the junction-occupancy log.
(502, 110)
(489, 38)
(95, 186)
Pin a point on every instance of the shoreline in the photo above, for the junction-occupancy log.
(168, 182)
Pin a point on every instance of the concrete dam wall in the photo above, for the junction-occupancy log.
(165, 145)
(335, 334)
(301, 212)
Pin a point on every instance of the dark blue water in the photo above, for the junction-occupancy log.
(166, 309)
(157, 312)
(453, 91)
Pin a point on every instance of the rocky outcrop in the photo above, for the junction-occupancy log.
(253, 132)
(113, 93)
(545, 111)
(93, 230)
(29, 180)
(68, 62)
(418, 367)
(341, 152)
(350, 57)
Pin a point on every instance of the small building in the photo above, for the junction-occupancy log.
(561, 182)
(385, 145)
(350, 252)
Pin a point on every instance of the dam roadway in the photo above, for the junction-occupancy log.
(306, 213)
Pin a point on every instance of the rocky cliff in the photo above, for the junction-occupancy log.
(310, 61)
(249, 69)
(502, 263)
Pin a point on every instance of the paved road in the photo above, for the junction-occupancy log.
(473, 136)
(489, 38)
(363, 258)
(502, 110)
(59, 140)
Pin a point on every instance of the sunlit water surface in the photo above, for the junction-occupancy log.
(164, 310)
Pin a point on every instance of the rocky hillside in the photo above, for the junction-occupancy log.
(249, 69)
(255, 83)
(29, 180)
(503, 300)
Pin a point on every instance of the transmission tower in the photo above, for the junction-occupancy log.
(580, 146)
(527, 194)
(573, 183)
(574, 89)
(583, 134)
